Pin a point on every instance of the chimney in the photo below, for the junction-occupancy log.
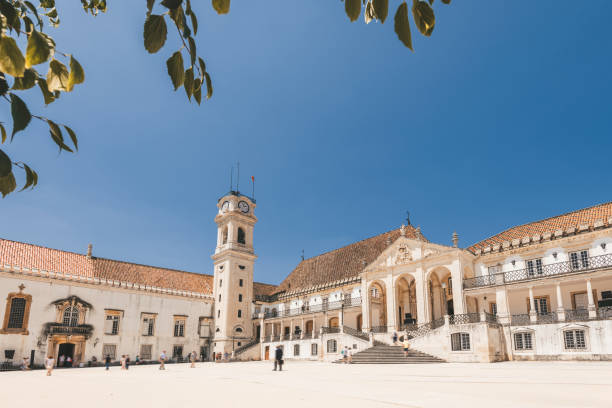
(89, 249)
(455, 240)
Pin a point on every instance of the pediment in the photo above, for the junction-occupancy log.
(404, 251)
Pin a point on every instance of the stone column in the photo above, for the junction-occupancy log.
(592, 309)
(560, 308)
(458, 295)
(391, 313)
(262, 330)
(482, 308)
(230, 232)
(503, 309)
(421, 296)
(365, 306)
(533, 315)
(302, 329)
(291, 329)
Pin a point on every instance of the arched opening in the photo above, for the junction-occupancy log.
(378, 306)
(436, 293)
(359, 322)
(334, 322)
(241, 236)
(238, 331)
(405, 292)
(71, 316)
(224, 235)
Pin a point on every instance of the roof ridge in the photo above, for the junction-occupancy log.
(44, 247)
(538, 221)
(149, 266)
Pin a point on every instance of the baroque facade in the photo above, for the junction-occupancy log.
(542, 290)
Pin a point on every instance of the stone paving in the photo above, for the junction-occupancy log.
(316, 385)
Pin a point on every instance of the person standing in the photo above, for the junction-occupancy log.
(350, 356)
(394, 338)
(343, 354)
(127, 361)
(49, 363)
(192, 359)
(406, 346)
(137, 360)
(122, 361)
(278, 358)
(162, 360)
(68, 361)
(107, 362)
(62, 359)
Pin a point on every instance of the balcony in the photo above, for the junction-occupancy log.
(308, 309)
(589, 264)
(57, 328)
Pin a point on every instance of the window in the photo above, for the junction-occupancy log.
(240, 297)
(522, 341)
(241, 282)
(219, 297)
(177, 352)
(314, 349)
(204, 327)
(109, 350)
(296, 350)
(146, 351)
(534, 266)
(220, 282)
(179, 327)
(574, 340)
(111, 324)
(148, 326)
(17, 313)
(579, 259)
(238, 330)
(239, 313)
(450, 285)
(241, 236)
(494, 269)
(460, 341)
(493, 308)
(541, 304)
(218, 313)
(70, 316)
(332, 346)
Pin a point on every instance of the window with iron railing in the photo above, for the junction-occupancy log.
(523, 341)
(574, 339)
(534, 266)
(579, 259)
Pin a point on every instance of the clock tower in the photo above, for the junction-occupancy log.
(233, 274)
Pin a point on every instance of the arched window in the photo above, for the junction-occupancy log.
(71, 316)
(225, 235)
(241, 236)
(238, 330)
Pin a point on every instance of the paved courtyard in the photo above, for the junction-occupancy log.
(315, 385)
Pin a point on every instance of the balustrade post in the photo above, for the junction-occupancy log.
(592, 309)
(560, 308)
(533, 315)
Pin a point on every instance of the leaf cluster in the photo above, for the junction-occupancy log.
(378, 10)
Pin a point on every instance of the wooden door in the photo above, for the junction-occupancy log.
(267, 354)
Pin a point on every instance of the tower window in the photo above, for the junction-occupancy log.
(241, 236)
(239, 313)
(219, 297)
(240, 298)
(220, 282)
(218, 313)
(241, 283)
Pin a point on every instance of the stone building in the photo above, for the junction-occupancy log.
(542, 290)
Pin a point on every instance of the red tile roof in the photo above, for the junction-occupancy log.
(263, 289)
(585, 216)
(342, 263)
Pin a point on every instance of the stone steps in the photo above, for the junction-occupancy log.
(392, 355)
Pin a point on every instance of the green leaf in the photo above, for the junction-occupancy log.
(31, 180)
(5, 164)
(352, 9)
(155, 32)
(27, 81)
(178, 16)
(209, 88)
(11, 58)
(194, 22)
(10, 13)
(202, 67)
(188, 84)
(77, 75)
(176, 69)
(171, 4)
(38, 50)
(20, 113)
(381, 9)
(402, 25)
(49, 97)
(3, 84)
(192, 49)
(3, 130)
(57, 76)
(221, 6)
(7, 184)
(150, 4)
(446, 1)
(423, 17)
(56, 135)
(197, 90)
(73, 137)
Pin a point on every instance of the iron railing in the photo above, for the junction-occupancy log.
(604, 312)
(576, 315)
(559, 268)
(378, 329)
(414, 330)
(490, 318)
(243, 348)
(330, 330)
(548, 317)
(355, 333)
(54, 328)
(464, 318)
(520, 320)
(308, 309)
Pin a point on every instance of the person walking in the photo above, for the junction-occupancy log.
(278, 358)
(394, 338)
(192, 359)
(62, 359)
(68, 361)
(137, 359)
(406, 346)
(350, 356)
(162, 360)
(107, 362)
(49, 363)
(127, 361)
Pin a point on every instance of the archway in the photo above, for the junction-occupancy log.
(435, 305)
(378, 305)
(334, 322)
(405, 296)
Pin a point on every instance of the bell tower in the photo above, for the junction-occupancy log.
(233, 274)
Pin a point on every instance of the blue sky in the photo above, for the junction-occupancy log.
(500, 118)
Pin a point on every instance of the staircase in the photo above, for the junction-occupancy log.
(385, 354)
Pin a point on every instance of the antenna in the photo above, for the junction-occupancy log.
(408, 217)
(238, 178)
(302, 254)
(253, 180)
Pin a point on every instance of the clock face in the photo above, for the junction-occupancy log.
(225, 206)
(243, 206)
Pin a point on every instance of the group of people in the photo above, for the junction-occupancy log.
(405, 343)
(347, 355)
